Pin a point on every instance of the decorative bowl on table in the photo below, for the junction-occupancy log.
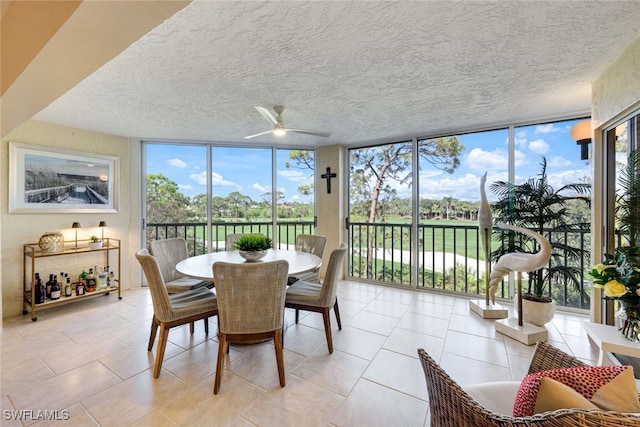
(252, 256)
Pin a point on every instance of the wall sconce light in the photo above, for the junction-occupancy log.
(581, 133)
(102, 225)
(76, 225)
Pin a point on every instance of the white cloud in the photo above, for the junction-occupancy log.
(547, 128)
(260, 188)
(480, 160)
(539, 146)
(466, 187)
(558, 162)
(177, 163)
(185, 187)
(295, 175)
(216, 179)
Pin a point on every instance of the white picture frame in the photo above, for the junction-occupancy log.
(51, 180)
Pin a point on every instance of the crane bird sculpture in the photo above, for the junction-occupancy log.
(519, 261)
(485, 226)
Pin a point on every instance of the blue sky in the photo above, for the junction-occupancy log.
(245, 170)
(248, 170)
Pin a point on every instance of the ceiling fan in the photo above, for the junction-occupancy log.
(279, 129)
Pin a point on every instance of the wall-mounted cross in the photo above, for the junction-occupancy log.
(328, 177)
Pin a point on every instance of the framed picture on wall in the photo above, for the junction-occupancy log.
(50, 180)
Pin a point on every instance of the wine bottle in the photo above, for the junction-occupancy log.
(48, 286)
(40, 290)
(55, 289)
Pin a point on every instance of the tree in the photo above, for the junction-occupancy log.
(165, 203)
(238, 203)
(373, 170)
(199, 207)
(536, 205)
(303, 159)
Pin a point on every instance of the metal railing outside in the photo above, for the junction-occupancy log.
(197, 234)
(450, 256)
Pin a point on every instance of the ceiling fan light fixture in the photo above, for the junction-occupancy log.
(279, 131)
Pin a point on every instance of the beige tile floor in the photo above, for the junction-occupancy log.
(90, 360)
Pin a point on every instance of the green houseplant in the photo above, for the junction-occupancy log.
(627, 213)
(253, 247)
(536, 205)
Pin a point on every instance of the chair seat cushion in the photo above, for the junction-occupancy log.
(302, 292)
(198, 294)
(183, 284)
(311, 276)
(498, 397)
(611, 388)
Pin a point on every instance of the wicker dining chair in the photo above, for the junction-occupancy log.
(313, 244)
(320, 297)
(251, 307)
(231, 239)
(169, 313)
(450, 405)
(170, 252)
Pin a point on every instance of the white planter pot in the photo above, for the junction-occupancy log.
(252, 256)
(95, 245)
(537, 313)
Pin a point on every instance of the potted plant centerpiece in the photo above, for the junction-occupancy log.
(253, 247)
(95, 243)
(536, 205)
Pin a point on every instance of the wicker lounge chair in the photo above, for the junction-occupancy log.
(451, 406)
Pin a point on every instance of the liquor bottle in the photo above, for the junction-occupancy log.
(67, 286)
(111, 280)
(48, 286)
(40, 290)
(102, 278)
(80, 288)
(91, 281)
(55, 289)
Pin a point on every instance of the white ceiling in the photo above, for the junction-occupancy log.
(364, 71)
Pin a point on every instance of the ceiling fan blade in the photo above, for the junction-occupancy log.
(267, 115)
(259, 134)
(310, 132)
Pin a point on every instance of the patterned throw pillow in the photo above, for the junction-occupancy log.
(610, 388)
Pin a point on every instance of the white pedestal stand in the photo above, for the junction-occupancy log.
(518, 329)
(486, 309)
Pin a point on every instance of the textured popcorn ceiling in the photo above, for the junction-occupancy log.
(365, 71)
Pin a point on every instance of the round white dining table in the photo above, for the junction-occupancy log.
(199, 266)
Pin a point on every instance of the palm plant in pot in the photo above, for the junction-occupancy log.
(253, 247)
(536, 205)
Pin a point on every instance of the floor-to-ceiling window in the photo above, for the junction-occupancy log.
(451, 255)
(203, 192)
(419, 199)
(620, 200)
(295, 171)
(176, 192)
